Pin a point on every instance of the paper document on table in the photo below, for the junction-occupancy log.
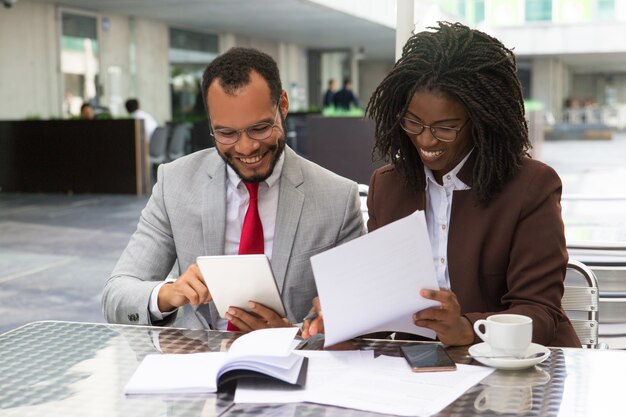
(372, 283)
(389, 387)
(323, 366)
(383, 385)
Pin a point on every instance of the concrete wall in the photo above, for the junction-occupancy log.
(372, 73)
(547, 84)
(587, 38)
(152, 64)
(292, 63)
(29, 57)
(115, 64)
(291, 60)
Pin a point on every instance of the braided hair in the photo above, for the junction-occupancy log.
(473, 68)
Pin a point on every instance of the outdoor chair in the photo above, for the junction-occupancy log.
(580, 301)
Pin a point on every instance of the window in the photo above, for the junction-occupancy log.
(189, 54)
(605, 9)
(79, 61)
(479, 11)
(538, 10)
(461, 8)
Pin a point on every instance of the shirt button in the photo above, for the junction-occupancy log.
(448, 194)
(443, 227)
(443, 260)
(448, 177)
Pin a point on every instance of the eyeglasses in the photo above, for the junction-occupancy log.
(441, 133)
(258, 131)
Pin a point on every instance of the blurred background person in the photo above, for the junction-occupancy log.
(345, 98)
(149, 123)
(87, 112)
(330, 93)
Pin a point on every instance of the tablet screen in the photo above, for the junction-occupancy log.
(233, 280)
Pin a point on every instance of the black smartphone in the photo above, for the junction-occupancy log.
(427, 357)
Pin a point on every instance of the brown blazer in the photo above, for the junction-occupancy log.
(508, 257)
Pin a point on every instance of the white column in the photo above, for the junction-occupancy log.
(405, 22)
(354, 71)
(226, 41)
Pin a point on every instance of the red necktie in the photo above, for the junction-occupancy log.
(251, 242)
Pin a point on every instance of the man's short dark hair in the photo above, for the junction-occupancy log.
(233, 71)
(132, 105)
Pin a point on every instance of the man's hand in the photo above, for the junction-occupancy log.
(315, 326)
(260, 318)
(452, 329)
(189, 288)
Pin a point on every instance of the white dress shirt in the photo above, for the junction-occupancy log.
(438, 209)
(237, 201)
(149, 123)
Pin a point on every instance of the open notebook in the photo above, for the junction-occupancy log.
(266, 353)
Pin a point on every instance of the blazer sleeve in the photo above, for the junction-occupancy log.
(146, 261)
(352, 225)
(537, 258)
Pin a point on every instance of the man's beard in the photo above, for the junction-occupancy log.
(275, 150)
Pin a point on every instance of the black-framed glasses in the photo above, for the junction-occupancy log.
(257, 131)
(441, 133)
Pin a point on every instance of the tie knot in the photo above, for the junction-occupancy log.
(253, 189)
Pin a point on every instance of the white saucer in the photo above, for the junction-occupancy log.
(483, 349)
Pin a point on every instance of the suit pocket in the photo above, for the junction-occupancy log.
(306, 255)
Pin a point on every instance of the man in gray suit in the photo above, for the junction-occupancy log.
(199, 203)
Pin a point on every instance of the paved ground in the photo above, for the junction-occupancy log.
(57, 251)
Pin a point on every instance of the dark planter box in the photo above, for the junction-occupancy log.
(73, 156)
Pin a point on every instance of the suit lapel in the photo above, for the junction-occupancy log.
(290, 203)
(213, 220)
(214, 207)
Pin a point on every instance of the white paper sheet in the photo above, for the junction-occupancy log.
(383, 385)
(323, 366)
(372, 283)
(390, 387)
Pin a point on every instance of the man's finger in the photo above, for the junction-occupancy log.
(265, 313)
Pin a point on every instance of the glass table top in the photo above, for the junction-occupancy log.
(79, 369)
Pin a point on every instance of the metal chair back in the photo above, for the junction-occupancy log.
(158, 145)
(583, 299)
(180, 137)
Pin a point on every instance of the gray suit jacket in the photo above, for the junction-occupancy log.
(185, 218)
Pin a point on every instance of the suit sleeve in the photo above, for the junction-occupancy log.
(372, 224)
(538, 259)
(352, 225)
(146, 261)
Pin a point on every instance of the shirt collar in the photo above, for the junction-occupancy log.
(451, 177)
(235, 180)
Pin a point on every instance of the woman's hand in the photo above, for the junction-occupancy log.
(452, 329)
(316, 325)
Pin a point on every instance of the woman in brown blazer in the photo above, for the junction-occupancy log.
(450, 120)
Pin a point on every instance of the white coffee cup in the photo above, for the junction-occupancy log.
(506, 334)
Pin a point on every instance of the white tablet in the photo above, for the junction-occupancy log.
(233, 280)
